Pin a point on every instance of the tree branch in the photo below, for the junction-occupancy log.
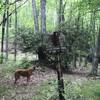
(15, 2)
(12, 12)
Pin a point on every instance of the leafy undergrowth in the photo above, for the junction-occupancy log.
(43, 86)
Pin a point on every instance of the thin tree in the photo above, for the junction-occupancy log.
(7, 29)
(61, 17)
(15, 38)
(35, 14)
(3, 33)
(94, 69)
(92, 30)
(43, 16)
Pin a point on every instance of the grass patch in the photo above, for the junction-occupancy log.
(3, 89)
(74, 90)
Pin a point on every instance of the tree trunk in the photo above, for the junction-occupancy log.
(3, 33)
(61, 12)
(80, 61)
(35, 13)
(7, 30)
(94, 46)
(15, 38)
(85, 62)
(43, 16)
(74, 60)
(96, 55)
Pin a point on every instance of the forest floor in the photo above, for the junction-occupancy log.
(37, 88)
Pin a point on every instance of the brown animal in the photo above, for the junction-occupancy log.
(23, 72)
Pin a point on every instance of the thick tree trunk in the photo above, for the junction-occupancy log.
(3, 33)
(43, 16)
(35, 14)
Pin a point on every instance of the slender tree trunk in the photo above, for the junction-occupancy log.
(61, 12)
(74, 60)
(61, 17)
(63, 9)
(96, 54)
(10, 21)
(3, 33)
(77, 23)
(80, 60)
(43, 16)
(15, 38)
(7, 30)
(94, 46)
(85, 62)
(35, 13)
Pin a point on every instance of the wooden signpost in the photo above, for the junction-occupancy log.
(57, 49)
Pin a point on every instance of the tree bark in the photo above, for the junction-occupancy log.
(43, 16)
(15, 38)
(85, 62)
(80, 60)
(35, 14)
(3, 33)
(94, 46)
(94, 69)
(7, 30)
(74, 60)
(61, 17)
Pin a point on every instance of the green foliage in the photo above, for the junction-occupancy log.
(46, 91)
(8, 68)
(77, 39)
(25, 15)
(79, 90)
(89, 4)
(25, 63)
(89, 89)
(97, 91)
(3, 89)
(27, 39)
